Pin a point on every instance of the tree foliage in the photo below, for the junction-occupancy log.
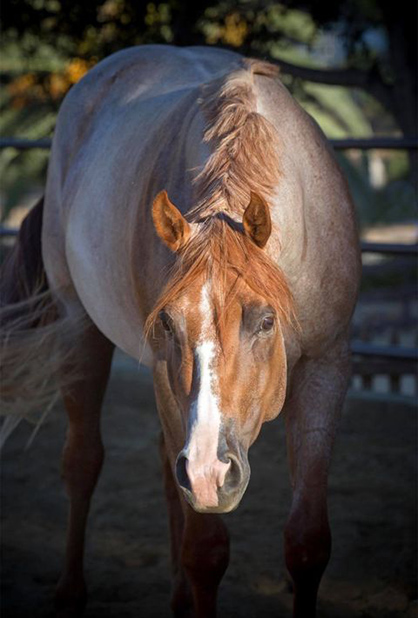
(379, 35)
(352, 63)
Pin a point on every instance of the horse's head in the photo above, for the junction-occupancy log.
(221, 315)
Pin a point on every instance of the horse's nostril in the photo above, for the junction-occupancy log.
(181, 472)
(234, 475)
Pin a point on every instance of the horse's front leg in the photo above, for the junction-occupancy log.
(199, 552)
(181, 599)
(199, 542)
(312, 412)
(82, 460)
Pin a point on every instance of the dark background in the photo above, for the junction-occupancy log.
(353, 66)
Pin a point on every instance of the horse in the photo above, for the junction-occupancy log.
(195, 217)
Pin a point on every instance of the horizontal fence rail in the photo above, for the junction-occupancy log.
(6, 232)
(394, 363)
(389, 248)
(385, 143)
(372, 143)
(386, 352)
(366, 247)
(395, 143)
(369, 359)
(25, 144)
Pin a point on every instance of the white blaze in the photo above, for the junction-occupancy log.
(205, 471)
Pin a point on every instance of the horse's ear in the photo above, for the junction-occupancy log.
(169, 223)
(257, 221)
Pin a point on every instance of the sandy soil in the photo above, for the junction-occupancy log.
(372, 506)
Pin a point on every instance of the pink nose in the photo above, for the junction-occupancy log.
(215, 487)
(205, 481)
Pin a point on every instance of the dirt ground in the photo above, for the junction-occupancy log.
(372, 572)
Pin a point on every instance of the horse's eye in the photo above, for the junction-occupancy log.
(165, 322)
(267, 324)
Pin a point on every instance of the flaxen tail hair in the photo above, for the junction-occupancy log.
(36, 341)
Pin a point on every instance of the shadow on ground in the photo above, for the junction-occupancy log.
(372, 505)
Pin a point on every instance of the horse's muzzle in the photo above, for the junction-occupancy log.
(204, 492)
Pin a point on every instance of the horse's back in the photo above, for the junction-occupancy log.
(144, 73)
(128, 95)
(132, 127)
(121, 136)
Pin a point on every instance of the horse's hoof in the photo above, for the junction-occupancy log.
(70, 602)
(181, 600)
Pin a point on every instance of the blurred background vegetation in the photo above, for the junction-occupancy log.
(352, 64)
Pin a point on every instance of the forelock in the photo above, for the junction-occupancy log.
(220, 252)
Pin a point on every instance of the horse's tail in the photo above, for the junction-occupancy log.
(35, 339)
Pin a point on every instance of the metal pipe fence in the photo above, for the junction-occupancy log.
(374, 143)
(369, 359)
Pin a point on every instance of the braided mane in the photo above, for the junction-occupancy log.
(244, 159)
(244, 154)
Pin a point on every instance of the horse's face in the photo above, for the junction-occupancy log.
(227, 382)
(227, 376)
